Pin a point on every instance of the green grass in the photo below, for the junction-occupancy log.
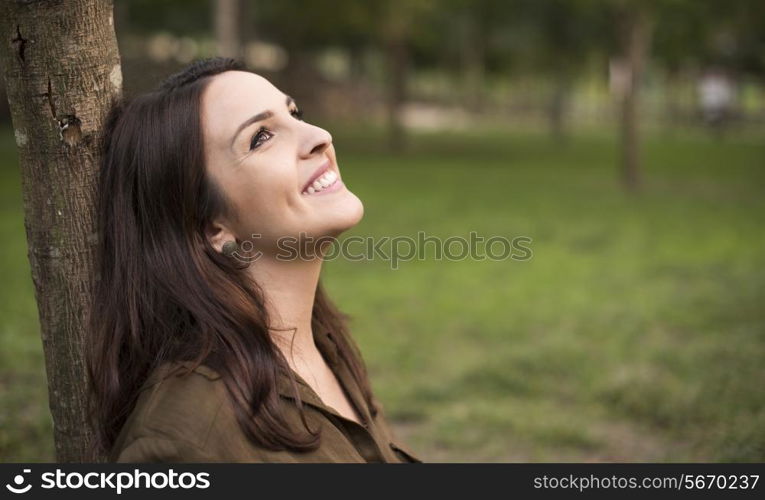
(635, 333)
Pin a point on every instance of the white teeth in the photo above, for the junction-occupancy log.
(322, 182)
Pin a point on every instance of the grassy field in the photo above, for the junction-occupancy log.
(635, 333)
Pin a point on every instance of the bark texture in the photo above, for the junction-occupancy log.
(62, 69)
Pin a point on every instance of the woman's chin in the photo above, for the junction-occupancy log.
(355, 210)
(331, 217)
(346, 215)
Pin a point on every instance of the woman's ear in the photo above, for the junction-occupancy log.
(218, 233)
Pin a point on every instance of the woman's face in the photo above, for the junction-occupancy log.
(264, 158)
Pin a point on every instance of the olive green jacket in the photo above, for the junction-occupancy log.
(183, 416)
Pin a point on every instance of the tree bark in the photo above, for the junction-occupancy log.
(62, 70)
(637, 37)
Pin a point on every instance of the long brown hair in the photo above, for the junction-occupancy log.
(163, 293)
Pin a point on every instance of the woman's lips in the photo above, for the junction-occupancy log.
(329, 181)
(318, 173)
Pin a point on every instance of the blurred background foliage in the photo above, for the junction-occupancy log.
(624, 137)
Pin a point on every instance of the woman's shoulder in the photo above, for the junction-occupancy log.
(176, 409)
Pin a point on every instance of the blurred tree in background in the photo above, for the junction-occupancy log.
(511, 60)
(405, 62)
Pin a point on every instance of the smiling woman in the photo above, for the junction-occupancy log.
(199, 353)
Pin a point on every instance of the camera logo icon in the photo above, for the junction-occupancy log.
(18, 480)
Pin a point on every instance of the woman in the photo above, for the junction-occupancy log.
(213, 339)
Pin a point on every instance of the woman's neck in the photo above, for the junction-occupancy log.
(289, 288)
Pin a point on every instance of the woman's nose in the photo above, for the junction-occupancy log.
(315, 141)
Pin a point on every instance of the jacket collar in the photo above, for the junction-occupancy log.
(327, 345)
(328, 348)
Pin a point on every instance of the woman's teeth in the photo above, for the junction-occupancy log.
(326, 180)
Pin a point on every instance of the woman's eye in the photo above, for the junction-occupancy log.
(259, 138)
(297, 113)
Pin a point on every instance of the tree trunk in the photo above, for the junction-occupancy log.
(473, 62)
(227, 28)
(636, 43)
(557, 107)
(397, 74)
(62, 69)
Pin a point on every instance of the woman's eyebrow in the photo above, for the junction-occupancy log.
(260, 116)
(249, 121)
